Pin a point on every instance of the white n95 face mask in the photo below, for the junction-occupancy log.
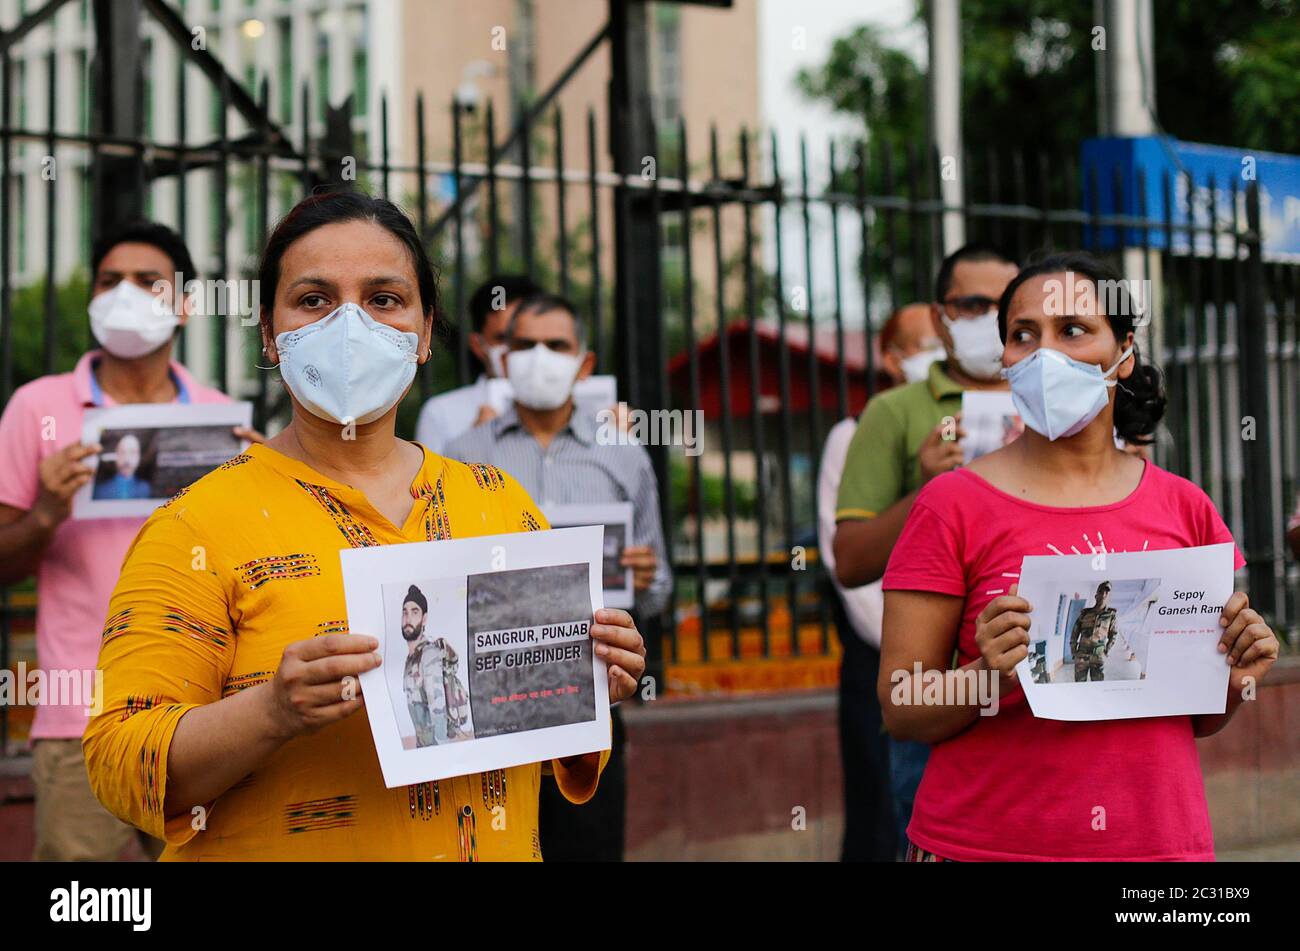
(917, 367)
(1056, 395)
(347, 367)
(129, 322)
(541, 378)
(977, 345)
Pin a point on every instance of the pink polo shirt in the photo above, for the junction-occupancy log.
(79, 568)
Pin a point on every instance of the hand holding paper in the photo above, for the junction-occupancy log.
(1249, 643)
(62, 475)
(941, 450)
(641, 559)
(316, 682)
(1002, 634)
(620, 645)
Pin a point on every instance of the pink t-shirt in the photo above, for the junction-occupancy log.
(1014, 787)
(80, 567)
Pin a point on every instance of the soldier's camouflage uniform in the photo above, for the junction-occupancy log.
(1093, 635)
(429, 680)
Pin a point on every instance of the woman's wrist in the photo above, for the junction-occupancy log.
(277, 728)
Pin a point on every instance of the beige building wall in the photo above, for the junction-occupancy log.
(447, 42)
(450, 43)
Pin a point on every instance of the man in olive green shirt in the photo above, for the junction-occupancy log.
(910, 434)
(885, 457)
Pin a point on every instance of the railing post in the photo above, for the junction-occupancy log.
(638, 342)
(119, 179)
(1252, 343)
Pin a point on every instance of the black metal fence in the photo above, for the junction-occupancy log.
(771, 283)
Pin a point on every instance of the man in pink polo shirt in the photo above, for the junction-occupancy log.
(76, 562)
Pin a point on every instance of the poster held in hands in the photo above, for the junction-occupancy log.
(616, 518)
(990, 420)
(1116, 635)
(487, 651)
(150, 451)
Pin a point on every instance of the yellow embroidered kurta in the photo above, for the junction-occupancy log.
(223, 577)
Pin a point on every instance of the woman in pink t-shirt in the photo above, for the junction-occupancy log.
(1009, 786)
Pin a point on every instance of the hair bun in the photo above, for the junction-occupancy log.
(1140, 403)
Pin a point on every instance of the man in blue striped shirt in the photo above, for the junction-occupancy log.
(561, 456)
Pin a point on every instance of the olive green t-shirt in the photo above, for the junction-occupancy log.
(882, 465)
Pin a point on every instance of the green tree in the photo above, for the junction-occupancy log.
(1227, 73)
(863, 76)
(71, 327)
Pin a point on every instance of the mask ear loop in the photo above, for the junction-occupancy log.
(1130, 352)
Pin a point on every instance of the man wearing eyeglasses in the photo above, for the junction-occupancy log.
(902, 442)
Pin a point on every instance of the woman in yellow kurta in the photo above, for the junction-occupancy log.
(232, 726)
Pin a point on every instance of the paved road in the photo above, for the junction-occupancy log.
(1288, 851)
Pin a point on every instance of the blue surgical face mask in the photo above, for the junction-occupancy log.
(347, 367)
(1056, 395)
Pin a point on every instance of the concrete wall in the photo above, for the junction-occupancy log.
(722, 780)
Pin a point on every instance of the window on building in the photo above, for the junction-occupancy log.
(667, 77)
(20, 92)
(216, 236)
(248, 208)
(284, 67)
(85, 206)
(20, 206)
(322, 69)
(83, 91)
(360, 33)
(214, 91)
(146, 66)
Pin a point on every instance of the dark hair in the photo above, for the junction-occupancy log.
(507, 287)
(1140, 400)
(328, 208)
(145, 232)
(889, 331)
(967, 252)
(545, 302)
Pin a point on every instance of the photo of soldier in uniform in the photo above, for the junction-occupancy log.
(429, 688)
(1092, 637)
(1098, 633)
(435, 696)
